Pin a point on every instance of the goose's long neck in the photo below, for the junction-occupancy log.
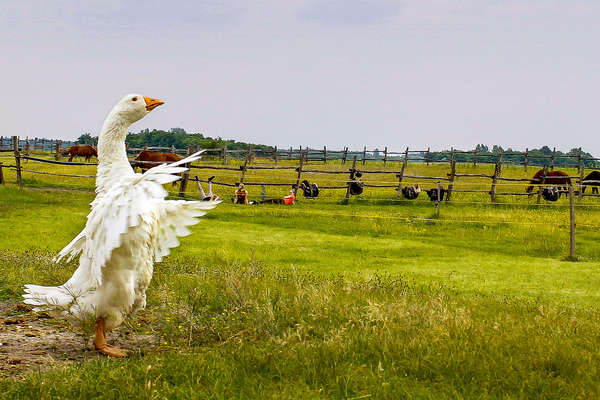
(112, 154)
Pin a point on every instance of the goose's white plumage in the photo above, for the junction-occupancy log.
(129, 227)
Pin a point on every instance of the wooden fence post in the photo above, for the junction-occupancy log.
(451, 154)
(553, 155)
(539, 195)
(385, 156)
(224, 155)
(572, 223)
(58, 154)
(27, 146)
(345, 155)
(184, 180)
(439, 192)
(581, 175)
(526, 159)
(299, 169)
(275, 155)
(1, 175)
(364, 155)
(451, 182)
(325, 154)
(497, 172)
(400, 176)
(579, 164)
(427, 157)
(17, 160)
(475, 158)
(263, 192)
(243, 168)
(350, 179)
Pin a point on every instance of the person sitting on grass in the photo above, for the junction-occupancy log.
(210, 196)
(241, 195)
(289, 200)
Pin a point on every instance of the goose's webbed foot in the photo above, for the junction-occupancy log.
(103, 347)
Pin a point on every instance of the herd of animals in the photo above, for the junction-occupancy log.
(557, 181)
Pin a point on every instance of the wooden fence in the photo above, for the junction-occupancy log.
(306, 156)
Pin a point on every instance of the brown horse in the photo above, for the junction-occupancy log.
(157, 158)
(554, 178)
(81, 150)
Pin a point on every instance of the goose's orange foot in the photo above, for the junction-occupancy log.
(101, 345)
(111, 351)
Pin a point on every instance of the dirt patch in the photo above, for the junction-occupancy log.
(32, 341)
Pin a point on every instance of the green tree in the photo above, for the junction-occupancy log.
(86, 138)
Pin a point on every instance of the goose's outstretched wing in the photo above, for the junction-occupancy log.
(175, 217)
(128, 203)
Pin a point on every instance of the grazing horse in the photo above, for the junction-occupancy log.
(82, 150)
(558, 178)
(154, 157)
(592, 176)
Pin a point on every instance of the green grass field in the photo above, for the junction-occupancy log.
(375, 299)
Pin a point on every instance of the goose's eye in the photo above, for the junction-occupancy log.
(134, 99)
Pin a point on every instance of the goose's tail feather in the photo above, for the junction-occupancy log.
(47, 297)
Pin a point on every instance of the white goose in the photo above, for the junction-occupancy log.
(130, 226)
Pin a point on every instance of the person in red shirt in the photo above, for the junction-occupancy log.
(290, 198)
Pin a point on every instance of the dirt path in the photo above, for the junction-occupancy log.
(33, 341)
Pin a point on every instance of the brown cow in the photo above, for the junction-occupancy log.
(158, 158)
(554, 178)
(82, 150)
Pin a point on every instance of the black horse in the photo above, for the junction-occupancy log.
(592, 176)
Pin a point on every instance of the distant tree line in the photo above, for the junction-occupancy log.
(177, 137)
(534, 156)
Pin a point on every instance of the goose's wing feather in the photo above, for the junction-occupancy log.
(175, 217)
(126, 204)
(72, 249)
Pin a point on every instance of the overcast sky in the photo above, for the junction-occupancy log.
(418, 73)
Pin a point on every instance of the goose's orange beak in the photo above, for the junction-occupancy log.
(151, 103)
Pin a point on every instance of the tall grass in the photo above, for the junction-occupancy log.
(246, 330)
